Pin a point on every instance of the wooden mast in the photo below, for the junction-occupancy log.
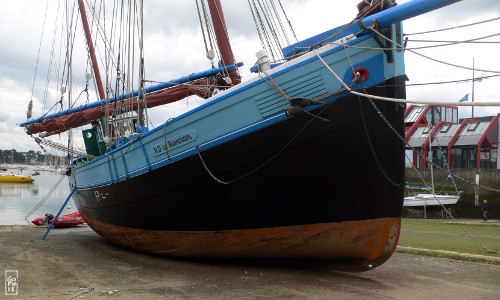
(95, 67)
(222, 38)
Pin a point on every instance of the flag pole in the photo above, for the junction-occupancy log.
(473, 79)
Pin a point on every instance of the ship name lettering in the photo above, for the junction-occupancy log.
(180, 140)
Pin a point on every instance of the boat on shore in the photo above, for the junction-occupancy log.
(260, 170)
(430, 201)
(65, 221)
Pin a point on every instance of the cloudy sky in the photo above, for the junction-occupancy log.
(174, 47)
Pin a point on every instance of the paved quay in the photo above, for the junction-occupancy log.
(70, 259)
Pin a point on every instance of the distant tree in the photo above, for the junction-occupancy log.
(40, 157)
(31, 156)
(19, 158)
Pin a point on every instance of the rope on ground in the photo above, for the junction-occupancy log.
(83, 290)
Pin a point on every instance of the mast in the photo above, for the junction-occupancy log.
(95, 66)
(432, 174)
(473, 87)
(220, 30)
(88, 36)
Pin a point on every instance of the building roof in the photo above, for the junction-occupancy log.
(419, 136)
(471, 133)
(444, 135)
(413, 114)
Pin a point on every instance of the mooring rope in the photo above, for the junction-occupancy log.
(43, 200)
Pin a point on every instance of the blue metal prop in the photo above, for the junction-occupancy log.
(60, 211)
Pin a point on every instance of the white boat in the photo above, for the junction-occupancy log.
(429, 200)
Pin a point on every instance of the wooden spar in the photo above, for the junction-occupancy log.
(97, 74)
(150, 89)
(220, 30)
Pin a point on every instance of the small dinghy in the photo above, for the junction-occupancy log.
(70, 220)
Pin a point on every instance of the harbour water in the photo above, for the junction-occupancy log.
(19, 199)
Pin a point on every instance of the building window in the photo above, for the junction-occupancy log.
(472, 158)
(488, 159)
(472, 126)
(428, 116)
(449, 114)
(445, 128)
(437, 115)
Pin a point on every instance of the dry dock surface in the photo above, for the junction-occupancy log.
(70, 259)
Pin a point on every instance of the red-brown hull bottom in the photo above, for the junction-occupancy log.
(353, 245)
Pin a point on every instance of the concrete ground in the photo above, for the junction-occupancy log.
(75, 258)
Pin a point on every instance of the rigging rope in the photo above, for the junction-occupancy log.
(347, 26)
(270, 46)
(256, 26)
(446, 43)
(283, 32)
(443, 82)
(227, 37)
(430, 58)
(289, 23)
(202, 29)
(454, 27)
(44, 199)
(400, 100)
(60, 147)
(454, 42)
(30, 107)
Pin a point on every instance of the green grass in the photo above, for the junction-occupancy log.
(436, 234)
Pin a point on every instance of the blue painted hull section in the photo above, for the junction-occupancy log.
(236, 112)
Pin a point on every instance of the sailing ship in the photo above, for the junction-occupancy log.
(269, 167)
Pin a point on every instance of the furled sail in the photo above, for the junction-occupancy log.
(60, 124)
(201, 84)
